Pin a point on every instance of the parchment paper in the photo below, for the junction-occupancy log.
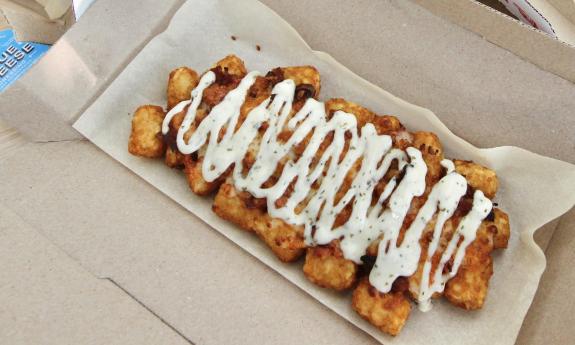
(534, 189)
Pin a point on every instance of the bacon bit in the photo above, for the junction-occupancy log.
(368, 260)
(275, 76)
(225, 78)
(470, 191)
(464, 206)
(401, 284)
(171, 140)
(215, 93)
(448, 266)
(304, 91)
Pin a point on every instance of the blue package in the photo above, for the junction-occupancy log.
(17, 57)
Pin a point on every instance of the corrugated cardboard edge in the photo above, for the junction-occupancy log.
(544, 51)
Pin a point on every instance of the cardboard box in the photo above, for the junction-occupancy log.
(159, 255)
(34, 22)
(522, 40)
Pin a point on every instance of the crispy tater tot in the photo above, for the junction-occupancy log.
(286, 241)
(468, 289)
(388, 312)
(478, 177)
(180, 85)
(326, 267)
(145, 138)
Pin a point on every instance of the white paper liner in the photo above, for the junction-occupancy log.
(534, 189)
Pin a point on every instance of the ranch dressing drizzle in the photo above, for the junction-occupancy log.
(367, 223)
(467, 229)
(401, 260)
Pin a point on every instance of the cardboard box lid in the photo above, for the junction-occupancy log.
(149, 248)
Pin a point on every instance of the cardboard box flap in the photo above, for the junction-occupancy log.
(525, 41)
(31, 25)
(47, 298)
(80, 65)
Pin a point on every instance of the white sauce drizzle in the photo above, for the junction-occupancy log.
(367, 223)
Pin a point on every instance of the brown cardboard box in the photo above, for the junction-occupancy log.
(533, 45)
(158, 254)
(31, 21)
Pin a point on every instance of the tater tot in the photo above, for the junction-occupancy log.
(180, 85)
(145, 138)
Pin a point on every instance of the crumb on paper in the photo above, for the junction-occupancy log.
(258, 47)
(233, 38)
